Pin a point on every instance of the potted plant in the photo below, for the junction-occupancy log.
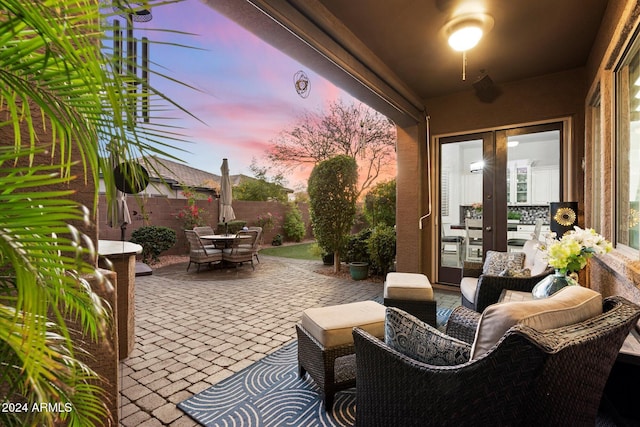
(513, 217)
(358, 255)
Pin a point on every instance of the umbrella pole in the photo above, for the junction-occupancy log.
(123, 230)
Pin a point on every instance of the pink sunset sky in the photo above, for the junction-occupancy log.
(246, 93)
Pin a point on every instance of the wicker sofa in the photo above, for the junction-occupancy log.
(529, 377)
(479, 290)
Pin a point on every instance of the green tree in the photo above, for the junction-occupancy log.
(354, 130)
(60, 104)
(261, 189)
(333, 194)
(380, 204)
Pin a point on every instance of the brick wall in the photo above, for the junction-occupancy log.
(162, 212)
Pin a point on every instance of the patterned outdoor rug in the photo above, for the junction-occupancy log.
(270, 393)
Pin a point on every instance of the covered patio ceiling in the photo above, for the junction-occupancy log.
(393, 54)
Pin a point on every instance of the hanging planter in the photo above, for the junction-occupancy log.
(359, 270)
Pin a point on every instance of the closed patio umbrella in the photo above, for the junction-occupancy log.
(118, 213)
(226, 210)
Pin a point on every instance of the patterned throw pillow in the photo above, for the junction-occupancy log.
(514, 272)
(496, 262)
(420, 341)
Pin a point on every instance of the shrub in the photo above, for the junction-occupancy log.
(154, 240)
(277, 240)
(192, 215)
(358, 247)
(266, 221)
(232, 227)
(382, 249)
(293, 225)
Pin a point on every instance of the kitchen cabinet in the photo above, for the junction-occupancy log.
(518, 183)
(545, 185)
(524, 231)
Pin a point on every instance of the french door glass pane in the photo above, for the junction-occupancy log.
(460, 196)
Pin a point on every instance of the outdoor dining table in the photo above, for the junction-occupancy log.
(226, 239)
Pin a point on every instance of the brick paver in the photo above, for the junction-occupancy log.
(196, 329)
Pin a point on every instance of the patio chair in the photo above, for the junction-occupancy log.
(199, 253)
(206, 230)
(532, 375)
(258, 243)
(482, 284)
(241, 248)
(203, 230)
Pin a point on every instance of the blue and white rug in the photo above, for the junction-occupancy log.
(270, 393)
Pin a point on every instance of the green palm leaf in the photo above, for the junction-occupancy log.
(60, 104)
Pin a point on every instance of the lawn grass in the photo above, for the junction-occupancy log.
(300, 251)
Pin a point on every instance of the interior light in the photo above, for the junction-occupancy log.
(465, 36)
(476, 166)
(513, 143)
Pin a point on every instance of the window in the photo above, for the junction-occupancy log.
(628, 150)
(597, 159)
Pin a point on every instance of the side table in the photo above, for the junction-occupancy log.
(508, 295)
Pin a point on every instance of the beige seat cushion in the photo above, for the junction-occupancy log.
(332, 326)
(408, 286)
(569, 305)
(468, 286)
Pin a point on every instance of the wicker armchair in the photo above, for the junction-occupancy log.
(199, 253)
(530, 377)
(488, 288)
(480, 290)
(241, 249)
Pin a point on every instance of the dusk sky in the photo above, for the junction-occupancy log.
(247, 87)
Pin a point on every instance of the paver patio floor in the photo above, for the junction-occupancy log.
(195, 329)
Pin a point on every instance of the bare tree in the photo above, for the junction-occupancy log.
(354, 130)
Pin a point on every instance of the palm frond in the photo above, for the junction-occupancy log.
(60, 104)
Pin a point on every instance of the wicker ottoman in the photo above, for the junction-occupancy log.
(325, 343)
(412, 293)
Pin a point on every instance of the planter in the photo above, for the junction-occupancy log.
(359, 270)
(327, 259)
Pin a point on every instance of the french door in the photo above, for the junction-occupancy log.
(494, 187)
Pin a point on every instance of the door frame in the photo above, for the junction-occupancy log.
(495, 158)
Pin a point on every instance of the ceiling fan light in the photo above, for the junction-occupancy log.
(465, 37)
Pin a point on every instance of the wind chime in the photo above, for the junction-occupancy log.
(301, 83)
(130, 57)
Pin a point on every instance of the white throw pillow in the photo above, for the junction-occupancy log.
(569, 305)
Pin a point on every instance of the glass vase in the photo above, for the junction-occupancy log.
(551, 284)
